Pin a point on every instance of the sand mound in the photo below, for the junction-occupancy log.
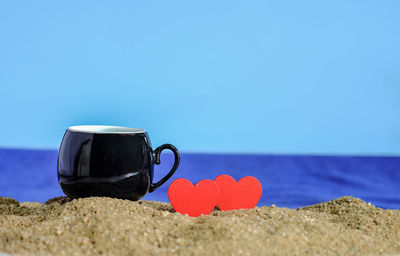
(347, 226)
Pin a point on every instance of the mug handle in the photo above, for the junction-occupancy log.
(156, 154)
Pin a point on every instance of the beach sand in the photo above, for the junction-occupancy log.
(106, 226)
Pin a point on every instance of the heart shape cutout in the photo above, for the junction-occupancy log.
(193, 200)
(243, 194)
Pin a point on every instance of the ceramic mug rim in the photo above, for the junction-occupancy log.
(105, 129)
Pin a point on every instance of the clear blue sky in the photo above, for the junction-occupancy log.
(208, 76)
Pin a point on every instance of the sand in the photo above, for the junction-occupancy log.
(94, 226)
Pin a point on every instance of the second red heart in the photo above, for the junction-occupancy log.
(243, 194)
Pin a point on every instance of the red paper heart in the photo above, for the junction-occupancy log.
(193, 200)
(238, 195)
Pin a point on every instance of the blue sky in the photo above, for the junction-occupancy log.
(317, 77)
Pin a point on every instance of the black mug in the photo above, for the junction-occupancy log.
(112, 161)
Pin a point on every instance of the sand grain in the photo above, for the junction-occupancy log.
(92, 226)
